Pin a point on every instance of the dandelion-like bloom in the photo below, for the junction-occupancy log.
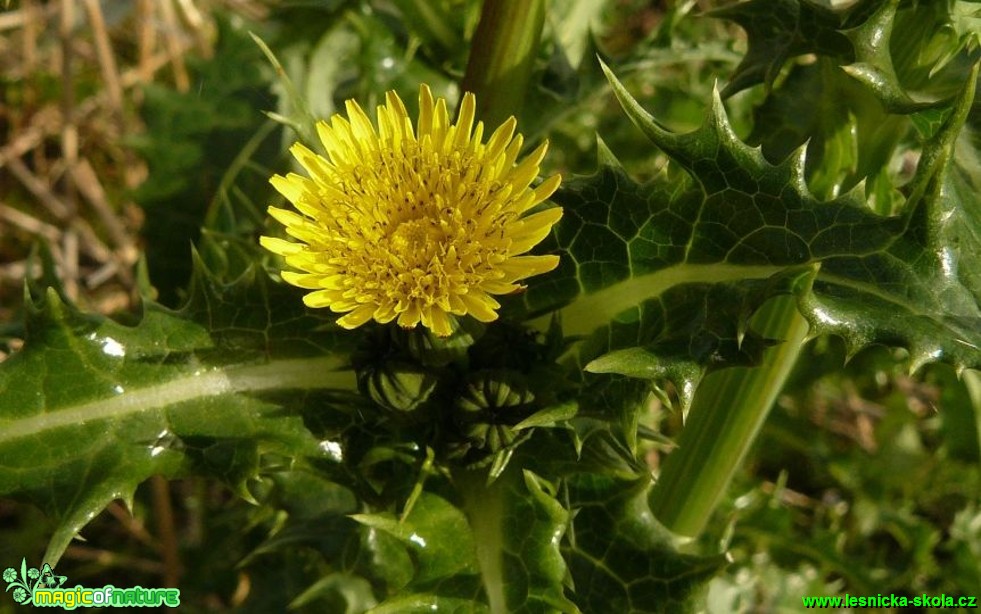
(9, 574)
(413, 224)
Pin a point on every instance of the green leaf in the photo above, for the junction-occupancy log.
(848, 135)
(421, 603)
(550, 416)
(338, 592)
(517, 525)
(860, 38)
(779, 30)
(873, 64)
(622, 559)
(90, 407)
(649, 266)
(915, 55)
(500, 552)
(436, 535)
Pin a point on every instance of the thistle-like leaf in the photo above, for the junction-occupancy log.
(629, 561)
(678, 270)
(90, 407)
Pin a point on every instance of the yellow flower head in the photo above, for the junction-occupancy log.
(411, 224)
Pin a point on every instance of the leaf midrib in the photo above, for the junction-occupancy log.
(320, 373)
(591, 311)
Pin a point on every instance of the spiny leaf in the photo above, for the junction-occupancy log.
(873, 64)
(648, 266)
(887, 266)
(777, 31)
(935, 313)
(858, 39)
(517, 524)
(849, 137)
(502, 553)
(622, 559)
(90, 408)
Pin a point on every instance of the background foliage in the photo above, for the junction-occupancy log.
(293, 490)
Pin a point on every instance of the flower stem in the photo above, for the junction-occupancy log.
(726, 414)
(483, 505)
(502, 56)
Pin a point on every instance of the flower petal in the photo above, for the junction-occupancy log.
(464, 122)
(357, 317)
(522, 174)
(532, 229)
(522, 267)
(480, 305)
(280, 247)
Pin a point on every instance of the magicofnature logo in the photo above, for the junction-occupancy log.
(31, 578)
(42, 588)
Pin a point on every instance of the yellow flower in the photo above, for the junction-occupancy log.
(413, 225)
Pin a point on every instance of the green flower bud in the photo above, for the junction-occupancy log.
(490, 390)
(489, 405)
(398, 387)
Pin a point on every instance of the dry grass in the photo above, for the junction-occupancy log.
(71, 90)
(72, 75)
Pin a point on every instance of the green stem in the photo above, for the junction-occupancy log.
(502, 56)
(484, 506)
(972, 380)
(728, 410)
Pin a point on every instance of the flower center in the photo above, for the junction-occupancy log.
(415, 240)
